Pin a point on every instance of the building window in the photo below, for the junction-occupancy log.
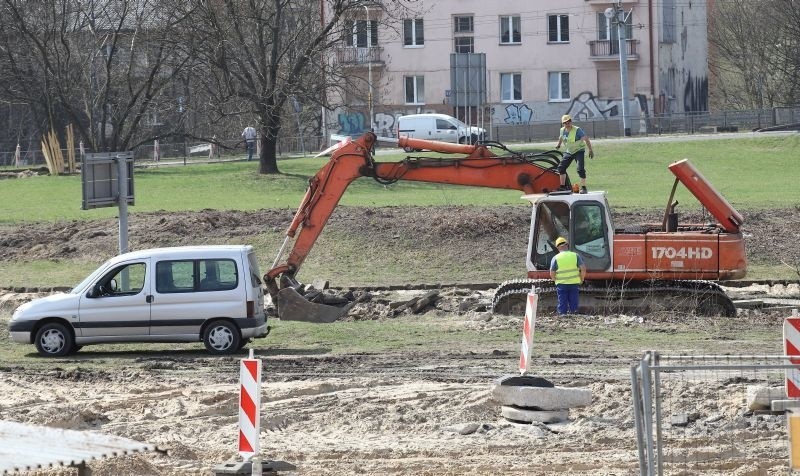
(464, 44)
(463, 24)
(558, 85)
(463, 28)
(558, 28)
(606, 30)
(415, 89)
(413, 34)
(511, 87)
(668, 31)
(510, 33)
(361, 33)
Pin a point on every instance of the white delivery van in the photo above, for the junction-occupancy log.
(211, 294)
(439, 127)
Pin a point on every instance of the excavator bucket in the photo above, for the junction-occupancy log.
(294, 307)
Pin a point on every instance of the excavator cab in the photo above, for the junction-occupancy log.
(583, 219)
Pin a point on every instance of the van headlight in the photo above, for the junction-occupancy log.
(18, 311)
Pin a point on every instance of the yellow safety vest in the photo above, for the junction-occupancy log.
(572, 145)
(568, 271)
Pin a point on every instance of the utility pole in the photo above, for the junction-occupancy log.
(619, 18)
(369, 66)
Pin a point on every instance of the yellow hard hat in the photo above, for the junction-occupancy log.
(566, 118)
(561, 241)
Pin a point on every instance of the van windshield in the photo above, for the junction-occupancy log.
(88, 279)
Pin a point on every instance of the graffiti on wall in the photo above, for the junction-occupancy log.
(695, 94)
(351, 123)
(354, 123)
(518, 114)
(587, 106)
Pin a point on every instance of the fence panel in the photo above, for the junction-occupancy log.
(710, 414)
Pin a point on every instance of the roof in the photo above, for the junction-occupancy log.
(187, 252)
(26, 447)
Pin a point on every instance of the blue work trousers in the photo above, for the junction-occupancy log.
(567, 298)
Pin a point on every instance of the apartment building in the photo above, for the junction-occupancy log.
(521, 61)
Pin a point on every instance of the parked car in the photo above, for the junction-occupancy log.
(211, 294)
(440, 127)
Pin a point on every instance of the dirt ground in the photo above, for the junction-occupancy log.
(770, 236)
(424, 412)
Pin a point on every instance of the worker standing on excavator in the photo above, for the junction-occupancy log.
(574, 140)
(567, 270)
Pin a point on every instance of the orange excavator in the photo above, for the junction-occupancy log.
(644, 268)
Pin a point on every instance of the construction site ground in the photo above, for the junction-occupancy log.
(418, 402)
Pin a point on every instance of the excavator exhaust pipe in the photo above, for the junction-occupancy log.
(294, 307)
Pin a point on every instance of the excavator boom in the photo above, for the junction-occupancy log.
(530, 174)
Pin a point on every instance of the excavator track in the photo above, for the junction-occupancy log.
(686, 296)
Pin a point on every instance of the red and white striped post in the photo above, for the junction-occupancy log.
(250, 409)
(528, 328)
(791, 347)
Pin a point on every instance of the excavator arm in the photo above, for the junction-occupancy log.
(528, 173)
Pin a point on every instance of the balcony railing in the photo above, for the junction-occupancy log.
(609, 49)
(351, 55)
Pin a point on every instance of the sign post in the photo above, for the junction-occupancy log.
(250, 411)
(107, 180)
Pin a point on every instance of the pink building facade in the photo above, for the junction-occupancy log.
(515, 62)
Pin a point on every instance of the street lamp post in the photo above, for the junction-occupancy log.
(369, 69)
(620, 20)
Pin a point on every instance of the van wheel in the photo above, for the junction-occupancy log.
(221, 338)
(473, 139)
(462, 140)
(54, 340)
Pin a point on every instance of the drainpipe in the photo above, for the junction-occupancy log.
(652, 54)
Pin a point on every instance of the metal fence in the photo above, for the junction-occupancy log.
(685, 123)
(186, 152)
(292, 144)
(701, 414)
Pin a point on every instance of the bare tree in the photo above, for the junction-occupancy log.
(103, 66)
(262, 53)
(754, 55)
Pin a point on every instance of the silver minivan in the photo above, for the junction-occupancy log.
(211, 294)
(439, 127)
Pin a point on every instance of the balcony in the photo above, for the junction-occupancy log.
(605, 50)
(358, 56)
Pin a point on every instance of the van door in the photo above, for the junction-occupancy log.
(445, 131)
(188, 292)
(117, 304)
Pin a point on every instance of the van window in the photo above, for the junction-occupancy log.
(444, 124)
(182, 276)
(127, 280)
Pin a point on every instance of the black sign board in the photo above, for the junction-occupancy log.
(100, 178)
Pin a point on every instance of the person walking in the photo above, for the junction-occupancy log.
(567, 270)
(249, 136)
(574, 140)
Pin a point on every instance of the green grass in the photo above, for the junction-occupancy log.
(752, 173)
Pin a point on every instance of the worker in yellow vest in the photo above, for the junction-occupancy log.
(574, 140)
(567, 270)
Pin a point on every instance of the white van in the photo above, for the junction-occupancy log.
(439, 127)
(211, 294)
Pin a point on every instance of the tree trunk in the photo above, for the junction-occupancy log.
(269, 147)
